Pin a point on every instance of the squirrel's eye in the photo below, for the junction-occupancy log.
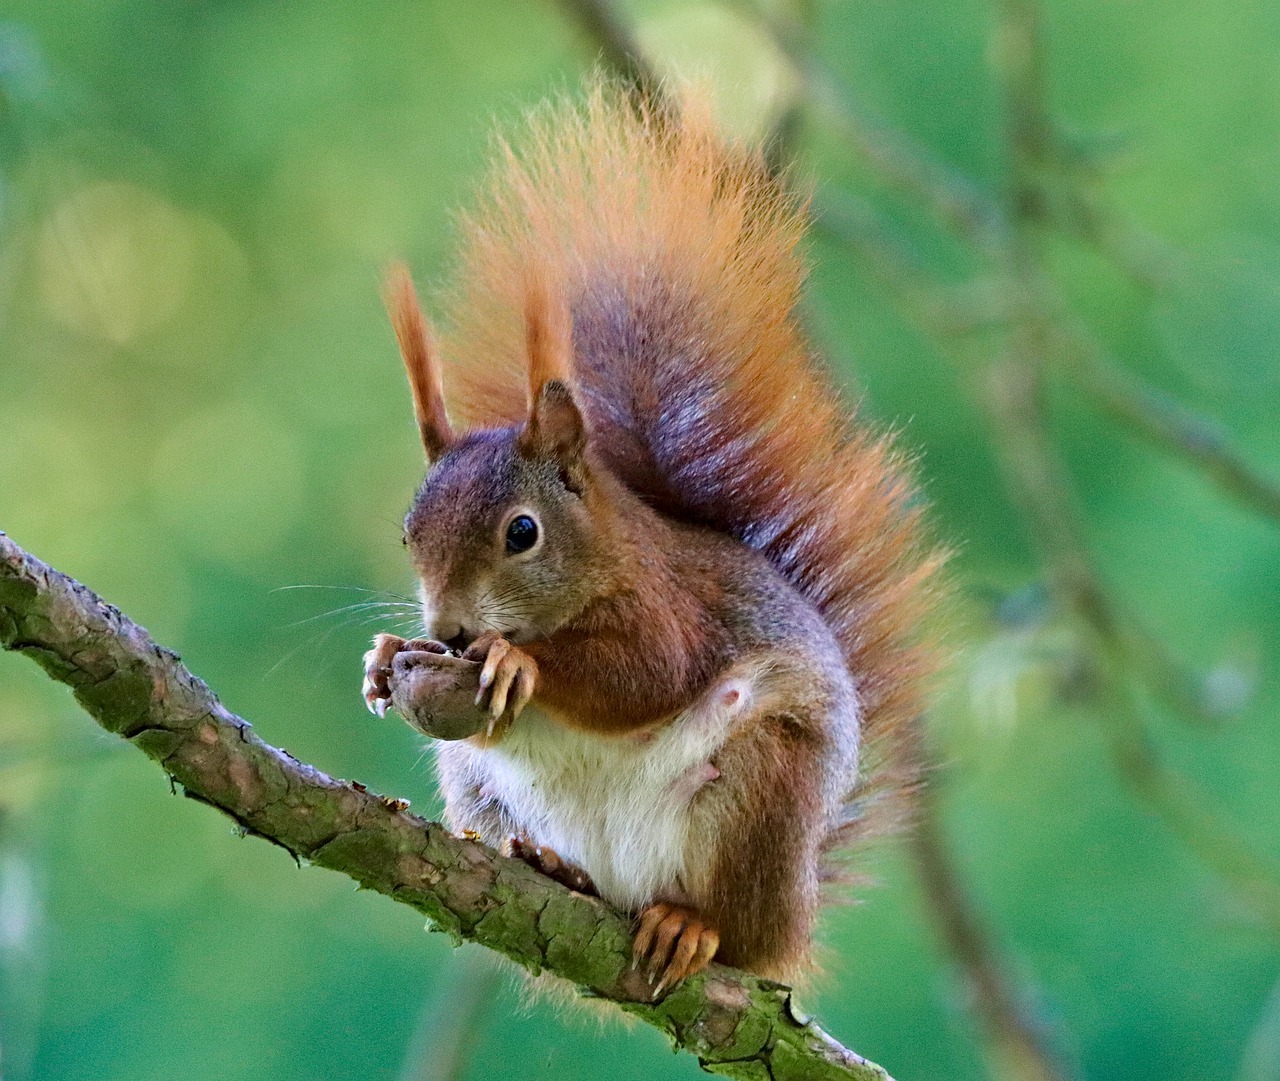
(522, 534)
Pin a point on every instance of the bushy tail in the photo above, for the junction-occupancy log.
(678, 257)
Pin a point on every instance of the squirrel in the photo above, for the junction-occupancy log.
(672, 593)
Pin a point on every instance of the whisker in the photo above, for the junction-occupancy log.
(345, 619)
(347, 589)
(359, 607)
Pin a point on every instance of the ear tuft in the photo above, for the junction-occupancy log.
(554, 429)
(420, 362)
(548, 331)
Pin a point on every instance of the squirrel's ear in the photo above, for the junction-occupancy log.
(555, 430)
(420, 362)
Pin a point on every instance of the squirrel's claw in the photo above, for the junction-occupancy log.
(376, 690)
(498, 649)
(674, 943)
(525, 679)
(376, 697)
(507, 680)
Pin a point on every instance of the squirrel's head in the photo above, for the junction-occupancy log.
(503, 530)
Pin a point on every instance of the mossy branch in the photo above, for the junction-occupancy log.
(735, 1024)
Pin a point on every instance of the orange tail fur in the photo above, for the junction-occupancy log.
(677, 257)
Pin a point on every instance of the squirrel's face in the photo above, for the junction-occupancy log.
(500, 534)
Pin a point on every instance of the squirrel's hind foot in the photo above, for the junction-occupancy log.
(673, 943)
(548, 861)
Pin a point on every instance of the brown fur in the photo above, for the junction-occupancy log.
(624, 333)
(763, 906)
(679, 260)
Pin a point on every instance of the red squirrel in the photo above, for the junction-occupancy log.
(669, 588)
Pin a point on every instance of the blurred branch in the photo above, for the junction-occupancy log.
(947, 313)
(1184, 807)
(1035, 151)
(599, 22)
(1082, 212)
(737, 1025)
(952, 316)
(1168, 424)
(453, 1018)
(1014, 1042)
(953, 198)
(897, 159)
(784, 133)
(957, 202)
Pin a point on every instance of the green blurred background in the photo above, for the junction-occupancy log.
(201, 410)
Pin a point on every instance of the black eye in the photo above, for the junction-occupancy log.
(522, 534)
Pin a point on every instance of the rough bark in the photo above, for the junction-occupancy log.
(736, 1025)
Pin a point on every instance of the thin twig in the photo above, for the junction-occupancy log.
(1167, 424)
(897, 159)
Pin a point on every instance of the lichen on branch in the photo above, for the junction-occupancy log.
(736, 1025)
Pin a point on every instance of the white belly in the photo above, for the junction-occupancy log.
(618, 807)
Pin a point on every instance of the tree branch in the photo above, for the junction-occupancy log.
(736, 1025)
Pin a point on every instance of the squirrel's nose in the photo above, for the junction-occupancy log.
(442, 631)
(459, 642)
(452, 634)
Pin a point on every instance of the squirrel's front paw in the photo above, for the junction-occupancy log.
(427, 684)
(507, 679)
(378, 666)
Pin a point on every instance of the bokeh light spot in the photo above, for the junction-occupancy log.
(115, 261)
